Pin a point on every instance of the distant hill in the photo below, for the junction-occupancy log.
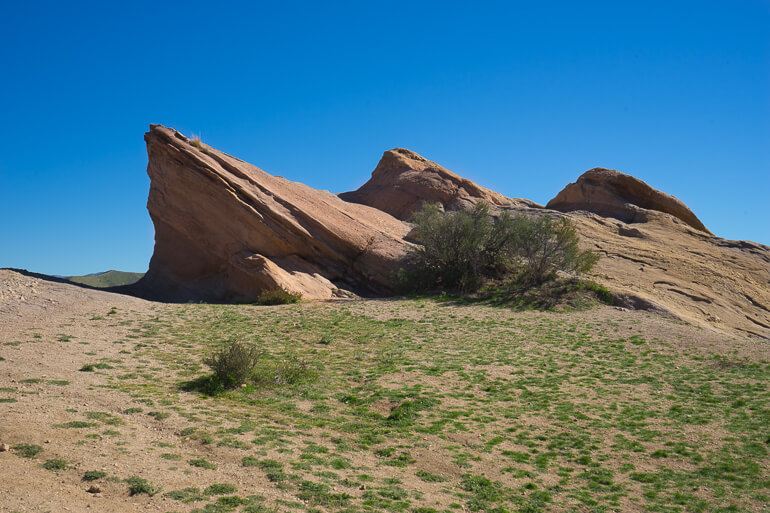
(106, 279)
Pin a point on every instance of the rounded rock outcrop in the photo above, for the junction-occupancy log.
(404, 180)
(611, 193)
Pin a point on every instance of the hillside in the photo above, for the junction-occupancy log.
(107, 279)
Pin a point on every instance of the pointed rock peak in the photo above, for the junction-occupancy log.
(403, 180)
(610, 193)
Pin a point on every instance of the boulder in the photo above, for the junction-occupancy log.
(403, 180)
(610, 193)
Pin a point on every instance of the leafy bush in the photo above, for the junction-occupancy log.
(453, 249)
(234, 364)
(544, 246)
(279, 296)
(93, 475)
(459, 250)
(55, 464)
(137, 485)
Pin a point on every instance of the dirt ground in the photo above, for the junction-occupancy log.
(45, 340)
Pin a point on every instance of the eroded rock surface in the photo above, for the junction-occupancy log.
(610, 193)
(226, 230)
(403, 180)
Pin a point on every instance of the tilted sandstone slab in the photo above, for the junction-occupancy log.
(610, 193)
(226, 230)
(403, 180)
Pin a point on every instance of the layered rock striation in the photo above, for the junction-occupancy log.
(226, 231)
(610, 193)
(404, 180)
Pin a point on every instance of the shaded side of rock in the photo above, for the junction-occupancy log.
(610, 193)
(403, 180)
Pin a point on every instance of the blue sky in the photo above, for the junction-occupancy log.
(521, 97)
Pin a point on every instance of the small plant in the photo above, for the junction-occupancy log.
(234, 364)
(55, 464)
(202, 463)
(89, 367)
(279, 296)
(220, 489)
(138, 485)
(93, 475)
(195, 140)
(290, 371)
(27, 450)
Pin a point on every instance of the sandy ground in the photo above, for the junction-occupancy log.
(48, 332)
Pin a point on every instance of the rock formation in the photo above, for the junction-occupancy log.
(403, 180)
(612, 194)
(226, 230)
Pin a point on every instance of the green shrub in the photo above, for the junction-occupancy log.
(460, 250)
(234, 363)
(543, 246)
(279, 296)
(290, 371)
(55, 464)
(137, 485)
(202, 463)
(27, 450)
(219, 489)
(93, 475)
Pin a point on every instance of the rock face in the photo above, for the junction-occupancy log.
(403, 180)
(612, 194)
(226, 230)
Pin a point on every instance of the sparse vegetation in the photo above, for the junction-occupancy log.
(416, 406)
(459, 251)
(138, 485)
(234, 363)
(55, 464)
(279, 296)
(27, 450)
(94, 475)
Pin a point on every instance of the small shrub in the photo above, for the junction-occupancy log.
(93, 475)
(190, 494)
(55, 464)
(27, 450)
(137, 485)
(543, 246)
(75, 424)
(220, 489)
(234, 364)
(290, 371)
(202, 463)
(89, 367)
(279, 296)
(195, 140)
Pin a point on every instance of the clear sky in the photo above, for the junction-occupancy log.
(521, 97)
